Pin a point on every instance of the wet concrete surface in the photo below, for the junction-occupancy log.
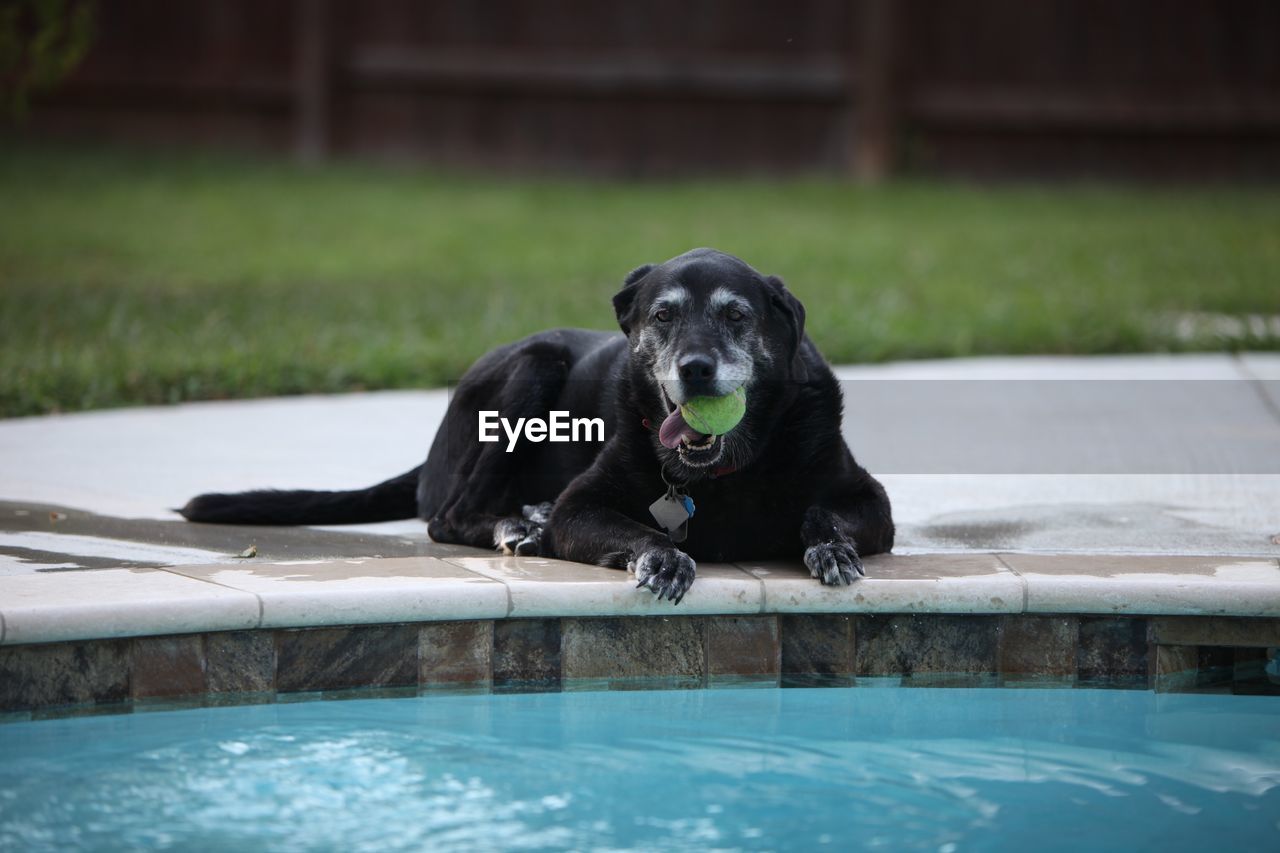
(1114, 528)
(46, 537)
(97, 489)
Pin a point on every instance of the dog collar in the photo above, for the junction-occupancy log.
(716, 473)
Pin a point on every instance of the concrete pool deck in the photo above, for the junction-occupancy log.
(1122, 485)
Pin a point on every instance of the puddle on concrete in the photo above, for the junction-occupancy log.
(44, 537)
(1082, 528)
(31, 559)
(60, 542)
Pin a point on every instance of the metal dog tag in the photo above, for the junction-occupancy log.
(672, 511)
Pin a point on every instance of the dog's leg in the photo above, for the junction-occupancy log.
(582, 529)
(520, 535)
(594, 521)
(509, 534)
(484, 508)
(468, 515)
(469, 518)
(480, 494)
(839, 531)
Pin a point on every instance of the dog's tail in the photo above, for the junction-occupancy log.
(389, 501)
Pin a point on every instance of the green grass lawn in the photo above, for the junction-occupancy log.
(128, 278)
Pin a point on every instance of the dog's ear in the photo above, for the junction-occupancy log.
(788, 308)
(625, 298)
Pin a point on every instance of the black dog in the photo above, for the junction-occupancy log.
(780, 484)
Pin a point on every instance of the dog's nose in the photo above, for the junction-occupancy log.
(696, 372)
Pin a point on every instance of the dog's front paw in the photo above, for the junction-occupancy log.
(518, 536)
(668, 572)
(834, 563)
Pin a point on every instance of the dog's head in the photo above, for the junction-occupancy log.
(703, 325)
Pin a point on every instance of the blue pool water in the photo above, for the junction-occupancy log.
(931, 769)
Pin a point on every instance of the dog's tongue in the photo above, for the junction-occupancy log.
(674, 429)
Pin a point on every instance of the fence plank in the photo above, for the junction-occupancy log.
(874, 110)
(313, 80)
(994, 109)
(495, 71)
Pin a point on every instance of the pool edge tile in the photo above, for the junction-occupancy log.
(541, 587)
(347, 657)
(368, 591)
(945, 583)
(100, 604)
(1166, 585)
(51, 675)
(1215, 631)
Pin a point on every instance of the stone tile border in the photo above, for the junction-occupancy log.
(60, 606)
(983, 650)
(262, 631)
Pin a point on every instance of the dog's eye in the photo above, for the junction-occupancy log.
(662, 315)
(734, 315)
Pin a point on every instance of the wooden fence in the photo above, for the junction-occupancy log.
(869, 87)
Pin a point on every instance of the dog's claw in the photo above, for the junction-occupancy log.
(667, 572)
(834, 563)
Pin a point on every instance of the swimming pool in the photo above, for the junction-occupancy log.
(906, 768)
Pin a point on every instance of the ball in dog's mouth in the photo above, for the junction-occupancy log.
(696, 449)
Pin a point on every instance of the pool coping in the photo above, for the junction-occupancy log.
(120, 640)
(100, 604)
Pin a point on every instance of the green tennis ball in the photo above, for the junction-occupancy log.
(715, 415)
